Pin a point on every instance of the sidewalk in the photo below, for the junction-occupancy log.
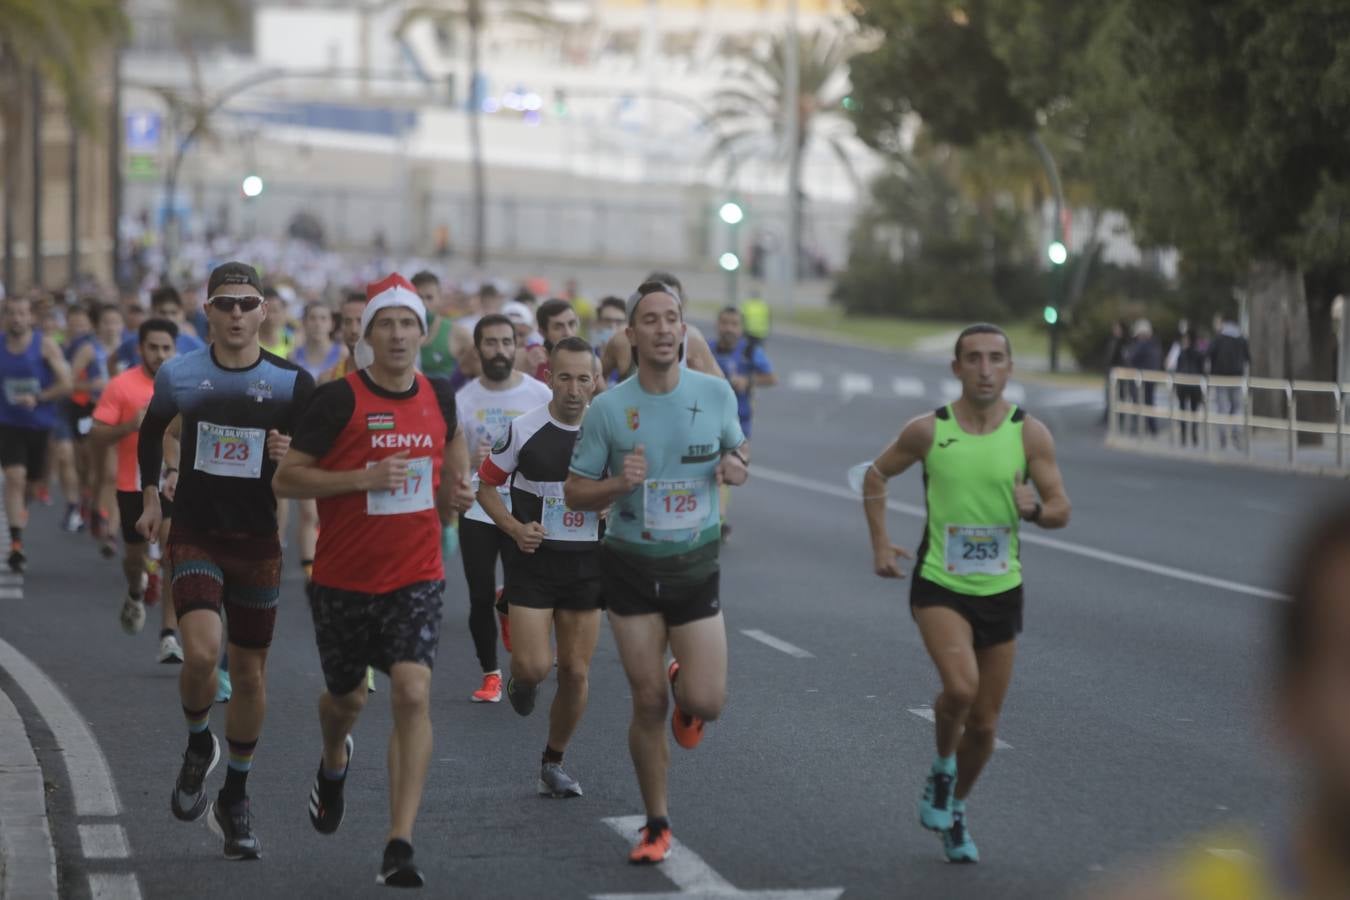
(27, 857)
(1269, 451)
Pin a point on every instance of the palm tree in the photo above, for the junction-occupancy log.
(472, 14)
(748, 115)
(56, 40)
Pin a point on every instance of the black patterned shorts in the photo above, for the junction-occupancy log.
(356, 630)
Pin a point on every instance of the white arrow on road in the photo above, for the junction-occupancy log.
(696, 879)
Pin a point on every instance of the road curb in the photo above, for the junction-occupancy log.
(27, 856)
(1129, 445)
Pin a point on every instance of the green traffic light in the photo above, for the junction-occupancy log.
(849, 103)
(1051, 315)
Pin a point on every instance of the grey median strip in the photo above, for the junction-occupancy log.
(29, 860)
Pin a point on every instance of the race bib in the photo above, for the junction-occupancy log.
(17, 388)
(563, 524)
(677, 505)
(85, 425)
(230, 452)
(976, 550)
(413, 496)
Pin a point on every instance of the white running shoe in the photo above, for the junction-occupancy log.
(133, 615)
(170, 651)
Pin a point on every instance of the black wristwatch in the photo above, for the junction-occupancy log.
(1035, 513)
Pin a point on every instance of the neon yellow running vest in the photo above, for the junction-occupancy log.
(970, 542)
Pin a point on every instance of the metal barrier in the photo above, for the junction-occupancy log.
(1133, 409)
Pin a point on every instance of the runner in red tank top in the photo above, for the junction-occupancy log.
(380, 452)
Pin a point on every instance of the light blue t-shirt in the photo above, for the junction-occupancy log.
(683, 435)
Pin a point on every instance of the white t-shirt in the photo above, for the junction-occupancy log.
(484, 414)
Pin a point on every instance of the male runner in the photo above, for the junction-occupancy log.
(446, 341)
(617, 358)
(349, 322)
(69, 452)
(558, 321)
(552, 574)
(33, 375)
(381, 453)
(117, 420)
(100, 469)
(656, 448)
(747, 367)
(966, 594)
(611, 316)
(237, 403)
(485, 407)
(165, 303)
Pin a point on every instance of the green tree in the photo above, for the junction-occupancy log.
(748, 114)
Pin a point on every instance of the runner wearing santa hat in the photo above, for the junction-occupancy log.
(381, 453)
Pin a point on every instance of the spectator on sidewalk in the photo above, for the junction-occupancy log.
(1144, 354)
(1116, 346)
(1229, 356)
(1185, 358)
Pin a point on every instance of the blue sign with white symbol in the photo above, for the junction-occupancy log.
(142, 132)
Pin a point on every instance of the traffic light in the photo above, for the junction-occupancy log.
(848, 103)
(1057, 252)
(252, 186)
(1051, 315)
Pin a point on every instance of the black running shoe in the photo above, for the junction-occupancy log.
(17, 561)
(188, 801)
(326, 802)
(398, 869)
(235, 827)
(521, 696)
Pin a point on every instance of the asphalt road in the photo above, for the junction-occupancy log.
(1137, 714)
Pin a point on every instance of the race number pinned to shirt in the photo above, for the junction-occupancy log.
(18, 388)
(230, 452)
(978, 550)
(413, 496)
(677, 505)
(563, 524)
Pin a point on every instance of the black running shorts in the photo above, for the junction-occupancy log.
(130, 505)
(25, 447)
(552, 579)
(630, 590)
(995, 619)
(355, 630)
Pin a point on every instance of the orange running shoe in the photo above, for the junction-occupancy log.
(490, 692)
(651, 850)
(688, 730)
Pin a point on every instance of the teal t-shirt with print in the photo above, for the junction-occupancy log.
(683, 435)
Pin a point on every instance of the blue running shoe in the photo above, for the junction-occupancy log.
(223, 688)
(935, 809)
(957, 842)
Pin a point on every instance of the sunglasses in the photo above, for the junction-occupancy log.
(227, 304)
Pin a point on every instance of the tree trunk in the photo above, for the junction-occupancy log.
(11, 106)
(1279, 336)
(477, 173)
(35, 252)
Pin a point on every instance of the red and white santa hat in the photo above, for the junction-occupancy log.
(394, 290)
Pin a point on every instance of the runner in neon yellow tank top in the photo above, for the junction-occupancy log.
(966, 592)
(445, 343)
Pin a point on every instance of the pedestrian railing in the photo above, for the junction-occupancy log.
(1142, 404)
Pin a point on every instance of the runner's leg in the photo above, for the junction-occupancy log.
(16, 483)
(578, 632)
(244, 716)
(337, 718)
(409, 745)
(701, 648)
(949, 640)
(977, 744)
(642, 649)
(531, 650)
(200, 631)
(479, 544)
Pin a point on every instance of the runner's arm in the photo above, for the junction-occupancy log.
(80, 363)
(586, 488)
(161, 412)
(107, 429)
(906, 450)
(298, 475)
(1045, 475)
(61, 384)
(452, 497)
(701, 357)
(765, 376)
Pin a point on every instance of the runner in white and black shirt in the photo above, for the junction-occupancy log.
(552, 573)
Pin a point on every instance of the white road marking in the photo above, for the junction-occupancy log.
(951, 389)
(777, 644)
(696, 879)
(1129, 562)
(114, 887)
(25, 836)
(10, 578)
(1076, 397)
(851, 383)
(104, 841)
(907, 387)
(11, 593)
(1015, 393)
(90, 781)
(805, 381)
(926, 713)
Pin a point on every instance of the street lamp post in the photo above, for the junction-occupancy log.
(732, 214)
(792, 132)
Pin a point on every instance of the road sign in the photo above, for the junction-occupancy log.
(142, 132)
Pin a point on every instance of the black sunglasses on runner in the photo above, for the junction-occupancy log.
(226, 303)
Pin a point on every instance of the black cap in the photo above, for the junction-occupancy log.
(233, 273)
